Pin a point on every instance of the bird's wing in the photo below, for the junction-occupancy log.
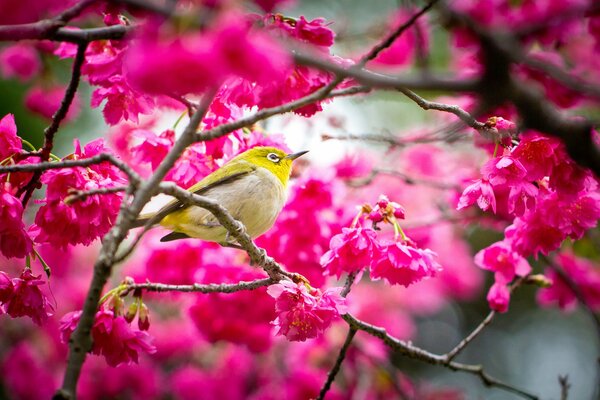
(221, 176)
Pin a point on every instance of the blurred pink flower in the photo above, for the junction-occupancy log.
(498, 297)
(10, 143)
(20, 60)
(404, 264)
(304, 315)
(14, 241)
(151, 148)
(353, 250)
(583, 273)
(19, 364)
(45, 101)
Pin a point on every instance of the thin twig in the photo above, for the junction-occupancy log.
(133, 177)
(409, 180)
(338, 364)
(465, 342)
(391, 38)
(57, 118)
(200, 288)
(418, 353)
(382, 81)
(563, 381)
(80, 195)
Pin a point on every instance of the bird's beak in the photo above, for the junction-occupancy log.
(295, 155)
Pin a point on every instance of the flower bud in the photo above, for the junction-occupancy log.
(143, 320)
(383, 201)
(376, 215)
(131, 312)
(399, 212)
(539, 280)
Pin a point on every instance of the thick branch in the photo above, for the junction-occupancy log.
(81, 341)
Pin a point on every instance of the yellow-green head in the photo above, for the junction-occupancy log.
(273, 159)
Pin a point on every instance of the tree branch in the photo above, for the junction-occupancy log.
(200, 288)
(391, 38)
(80, 342)
(338, 364)
(417, 353)
(133, 177)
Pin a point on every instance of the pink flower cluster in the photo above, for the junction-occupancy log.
(296, 81)
(14, 240)
(22, 296)
(397, 261)
(85, 220)
(548, 197)
(103, 68)
(304, 313)
(113, 337)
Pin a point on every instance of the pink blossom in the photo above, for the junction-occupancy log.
(113, 337)
(583, 274)
(537, 154)
(85, 220)
(20, 60)
(45, 101)
(350, 251)
(481, 192)
(403, 264)
(27, 299)
(14, 241)
(152, 148)
(122, 102)
(304, 315)
(501, 259)
(508, 173)
(313, 32)
(191, 165)
(6, 288)
(10, 143)
(498, 297)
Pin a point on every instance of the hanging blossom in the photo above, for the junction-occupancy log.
(20, 297)
(103, 67)
(506, 264)
(112, 333)
(305, 313)
(10, 143)
(398, 261)
(60, 222)
(14, 240)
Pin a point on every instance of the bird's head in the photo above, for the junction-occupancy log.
(275, 160)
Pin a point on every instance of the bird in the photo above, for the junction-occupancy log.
(252, 186)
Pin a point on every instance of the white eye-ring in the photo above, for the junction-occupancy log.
(273, 157)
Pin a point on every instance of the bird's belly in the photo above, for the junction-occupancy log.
(254, 200)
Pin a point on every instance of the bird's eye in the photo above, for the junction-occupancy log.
(273, 157)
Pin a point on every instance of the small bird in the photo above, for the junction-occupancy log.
(251, 186)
